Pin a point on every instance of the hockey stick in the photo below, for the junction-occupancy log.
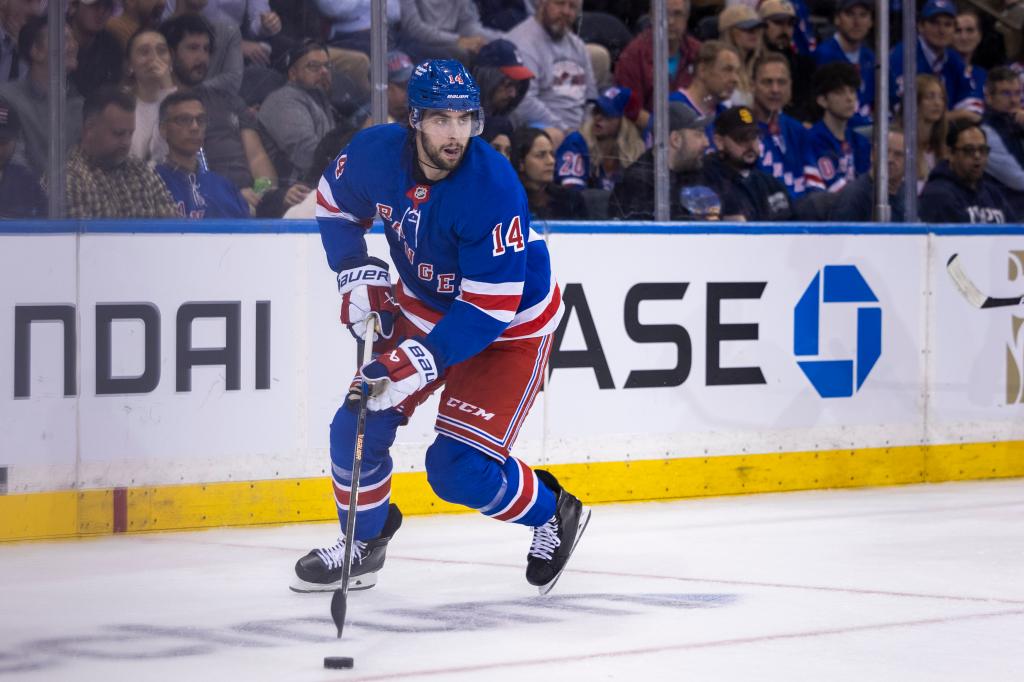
(971, 292)
(339, 602)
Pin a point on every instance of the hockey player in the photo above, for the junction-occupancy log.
(476, 308)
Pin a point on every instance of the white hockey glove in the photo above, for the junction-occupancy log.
(365, 287)
(395, 376)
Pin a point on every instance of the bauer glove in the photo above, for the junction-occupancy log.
(365, 288)
(395, 376)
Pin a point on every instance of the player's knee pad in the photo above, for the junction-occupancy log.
(378, 435)
(462, 474)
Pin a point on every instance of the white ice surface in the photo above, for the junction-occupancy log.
(907, 583)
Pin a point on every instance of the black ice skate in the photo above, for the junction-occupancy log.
(320, 570)
(554, 542)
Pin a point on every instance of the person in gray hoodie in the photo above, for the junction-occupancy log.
(448, 29)
(298, 114)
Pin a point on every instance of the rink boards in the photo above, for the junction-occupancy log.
(176, 375)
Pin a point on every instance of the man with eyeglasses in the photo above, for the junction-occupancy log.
(1003, 124)
(197, 192)
(102, 180)
(296, 116)
(958, 191)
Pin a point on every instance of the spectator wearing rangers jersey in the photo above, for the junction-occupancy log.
(958, 191)
(785, 152)
(853, 20)
(936, 26)
(966, 39)
(840, 153)
(477, 305)
(197, 192)
(598, 153)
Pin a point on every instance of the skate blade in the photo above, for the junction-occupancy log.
(356, 583)
(582, 526)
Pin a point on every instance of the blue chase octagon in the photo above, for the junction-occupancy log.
(837, 284)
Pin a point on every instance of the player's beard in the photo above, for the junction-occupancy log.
(436, 156)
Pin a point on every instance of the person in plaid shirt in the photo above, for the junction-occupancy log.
(102, 180)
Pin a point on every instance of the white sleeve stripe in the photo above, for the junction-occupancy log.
(537, 309)
(493, 289)
(499, 315)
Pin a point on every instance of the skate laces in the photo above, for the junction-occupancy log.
(545, 540)
(334, 556)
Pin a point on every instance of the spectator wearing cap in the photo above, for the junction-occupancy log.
(853, 20)
(149, 77)
(598, 153)
(564, 77)
(633, 198)
(936, 25)
(747, 192)
(741, 27)
(226, 63)
(103, 181)
(13, 15)
(714, 81)
(297, 115)
(197, 192)
(634, 68)
(399, 72)
(958, 191)
(785, 153)
(21, 196)
(100, 54)
(502, 77)
(840, 153)
(232, 146)
(780, 20)
(447, 29)
(30, 97)
(533, 158)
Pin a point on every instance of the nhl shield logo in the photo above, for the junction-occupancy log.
(420, 193)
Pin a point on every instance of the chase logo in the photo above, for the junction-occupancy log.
(837, 378)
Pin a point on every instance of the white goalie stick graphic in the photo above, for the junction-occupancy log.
(973, 295)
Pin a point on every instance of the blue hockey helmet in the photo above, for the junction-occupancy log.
(444, 84)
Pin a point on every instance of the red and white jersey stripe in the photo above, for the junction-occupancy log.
(369, 496)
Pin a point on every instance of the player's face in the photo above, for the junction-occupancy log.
(938, 31)
(150, 58)
(538, 166)
(605, 127)
(107, 137)
(185, 127)
(779, 32)
(855, 23)
(772, 87)
(841, 103)
(192, 58)
(312, 71)
(742, 150)
(1003, 96)
(558, 16)
(966, 34)
(931, 104)
(969, 156)
(722, 77)
(444, 136)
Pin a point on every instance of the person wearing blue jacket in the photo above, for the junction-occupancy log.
(840, 153)
(197, 192)
(854, 20)
(958, 191)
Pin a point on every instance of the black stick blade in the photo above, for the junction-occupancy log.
(339, 604)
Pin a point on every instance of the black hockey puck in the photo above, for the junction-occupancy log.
(338, 662)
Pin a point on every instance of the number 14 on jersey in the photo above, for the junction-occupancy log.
(512, 238)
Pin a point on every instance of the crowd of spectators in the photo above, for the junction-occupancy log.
(232, 108)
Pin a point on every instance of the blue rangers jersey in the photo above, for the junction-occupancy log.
(961, 92)
(838, 161)
(202, 195)
(786, 155)
(470, 269)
